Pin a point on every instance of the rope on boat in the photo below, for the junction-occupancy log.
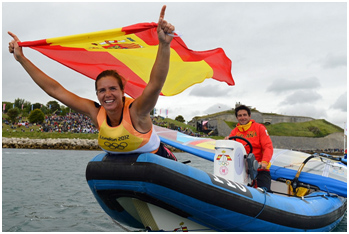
(121, 226)
(260, 212)
(304, 197)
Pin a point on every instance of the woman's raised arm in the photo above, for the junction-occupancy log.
(51, 86)
(147, 101)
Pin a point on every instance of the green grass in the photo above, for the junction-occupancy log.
(314, 128)
(177, 123)
(7, 131)
(231, 125)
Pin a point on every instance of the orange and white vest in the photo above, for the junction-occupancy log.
(124, 138)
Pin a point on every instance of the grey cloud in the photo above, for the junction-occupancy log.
(282, 85)
(341, 103)
(302, 96)
(333, 61)
(208, 91)
(304, 109)
(217, 108)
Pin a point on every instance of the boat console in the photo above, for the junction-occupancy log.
(233, 163)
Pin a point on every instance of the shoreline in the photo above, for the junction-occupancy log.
(50, 143)
(56, 143)
(313, 145)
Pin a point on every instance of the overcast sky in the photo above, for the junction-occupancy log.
(287, 58)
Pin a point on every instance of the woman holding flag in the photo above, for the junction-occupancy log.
(124, 124)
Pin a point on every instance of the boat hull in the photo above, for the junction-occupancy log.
(175, 196)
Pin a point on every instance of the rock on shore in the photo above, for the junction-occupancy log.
(59, 143)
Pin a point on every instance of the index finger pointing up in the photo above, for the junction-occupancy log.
(162, 13)
(13, 36)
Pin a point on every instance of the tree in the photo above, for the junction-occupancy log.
(13, 114)
(180, 118)
(53, 106)
(8, 106)
(64, 110)
(25, 114)
(36, 106)
(19, 102)
(22, 105)
(36, 116)
(26, 107)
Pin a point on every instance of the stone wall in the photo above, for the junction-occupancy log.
(223, 128)
(256, 115)
(64, 143)
(332, 141)
(60, 144)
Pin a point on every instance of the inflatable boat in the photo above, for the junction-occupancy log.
(148, 192)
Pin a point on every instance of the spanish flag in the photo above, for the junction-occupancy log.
(131, 51)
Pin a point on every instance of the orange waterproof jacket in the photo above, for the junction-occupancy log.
(258, 136)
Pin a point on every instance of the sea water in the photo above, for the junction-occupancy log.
(46, 191)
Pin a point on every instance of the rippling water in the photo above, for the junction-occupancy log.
(46, 191)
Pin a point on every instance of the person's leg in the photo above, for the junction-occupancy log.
(264, 179)
(166, 153)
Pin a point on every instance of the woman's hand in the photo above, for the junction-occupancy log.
(14, 48)
(164, 28)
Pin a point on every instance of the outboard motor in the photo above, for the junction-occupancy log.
(252, 166)
(232, 162)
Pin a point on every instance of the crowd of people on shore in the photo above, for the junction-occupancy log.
(78, 123)
(72, 122)
(159, 121)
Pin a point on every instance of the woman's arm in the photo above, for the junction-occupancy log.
(51, 86)
(143, 105)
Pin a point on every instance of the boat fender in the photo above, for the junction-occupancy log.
(252, 165)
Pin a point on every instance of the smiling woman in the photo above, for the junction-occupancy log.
(110, 93)
(124, 124)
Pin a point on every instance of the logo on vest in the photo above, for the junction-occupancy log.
(114, 145)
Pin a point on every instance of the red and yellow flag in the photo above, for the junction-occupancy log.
(132, 51)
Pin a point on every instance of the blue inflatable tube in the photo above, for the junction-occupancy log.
(203, 198)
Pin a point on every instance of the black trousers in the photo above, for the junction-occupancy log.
(264, 180)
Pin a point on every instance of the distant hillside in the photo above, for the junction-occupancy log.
(313, 128)
(277, 125)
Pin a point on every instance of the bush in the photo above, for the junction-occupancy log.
(36, 116)
(180, 118)
(12, 114)
(314, 130)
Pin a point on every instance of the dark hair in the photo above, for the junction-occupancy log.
(242, 107)
(114, 74)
